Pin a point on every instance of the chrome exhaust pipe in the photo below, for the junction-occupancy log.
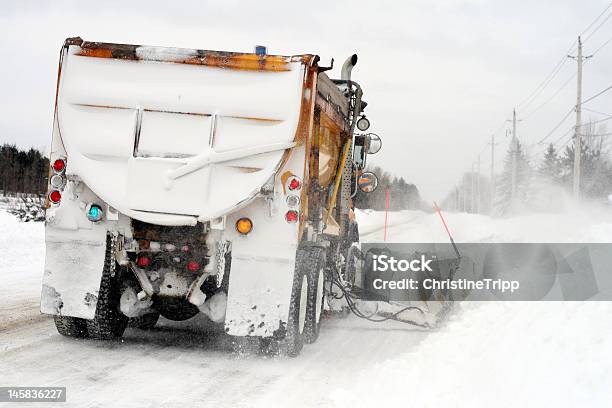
(347, 67)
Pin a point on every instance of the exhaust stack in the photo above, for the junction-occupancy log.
(347, 67)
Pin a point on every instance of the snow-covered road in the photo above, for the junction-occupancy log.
(493, 354)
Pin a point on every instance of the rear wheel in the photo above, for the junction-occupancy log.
(108, 322)
(70, 326)
(314, 268)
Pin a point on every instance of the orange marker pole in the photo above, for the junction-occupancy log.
(446, 228)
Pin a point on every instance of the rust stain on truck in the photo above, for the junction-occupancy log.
(219, 59)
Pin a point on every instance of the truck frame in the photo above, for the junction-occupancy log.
(188, 181)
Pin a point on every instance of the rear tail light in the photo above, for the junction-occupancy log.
(55, 196)
(57, 181)
(294, 183)
(59, 165)
(193, 266)
(143, 261)
(293, 200)
(185, 248)
(291, 216)
(94, 212)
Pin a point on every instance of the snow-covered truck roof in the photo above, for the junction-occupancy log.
(155, 130)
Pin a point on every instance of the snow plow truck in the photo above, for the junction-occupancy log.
(186, 181)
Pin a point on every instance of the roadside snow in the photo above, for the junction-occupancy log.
(498, 354)
(593, 224)
(507, 354)
(487, 354)
(22, 258)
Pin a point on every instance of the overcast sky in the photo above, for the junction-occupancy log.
(439, 76)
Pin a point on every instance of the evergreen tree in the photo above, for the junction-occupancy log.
(504, 203)
(596, 171)
(22, 171)
(402, 195)
(550, 169)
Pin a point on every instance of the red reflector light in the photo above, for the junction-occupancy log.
(59, 165)
(291, 216)
(193, 266)
(143, 261)
(55, 197)
(294, 183)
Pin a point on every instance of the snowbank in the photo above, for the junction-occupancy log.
(22, 257)
(497, 354)
(585, 224)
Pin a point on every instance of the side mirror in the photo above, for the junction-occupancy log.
(374, 143)
(363, 123)
(367, 182)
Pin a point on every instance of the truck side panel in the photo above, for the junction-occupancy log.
(263, 261)
(75, 258)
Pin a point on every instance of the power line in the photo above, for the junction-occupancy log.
(548, 79)
(542, 147)
(596, 95)
(572, 129)
(596, 121)
(567, 115)
(538, 90)
(551, 97)
(598, 27)
(596, 111)
(564, 143)
(563, 85)
(594, 21)
(602, 45)
(569, 132)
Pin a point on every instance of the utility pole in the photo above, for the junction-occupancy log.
(492, 172)
(577, 132)
(457, 205)
(514, 158)
(464, 194)
(472, 190)
(478, 186)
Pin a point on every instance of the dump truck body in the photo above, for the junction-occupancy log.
(191, 175)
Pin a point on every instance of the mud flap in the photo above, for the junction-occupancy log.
(259, 293)
(73, 270)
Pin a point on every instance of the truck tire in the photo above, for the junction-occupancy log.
(145, 322)
(70, 326)
(314, 268)
(108, 322)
